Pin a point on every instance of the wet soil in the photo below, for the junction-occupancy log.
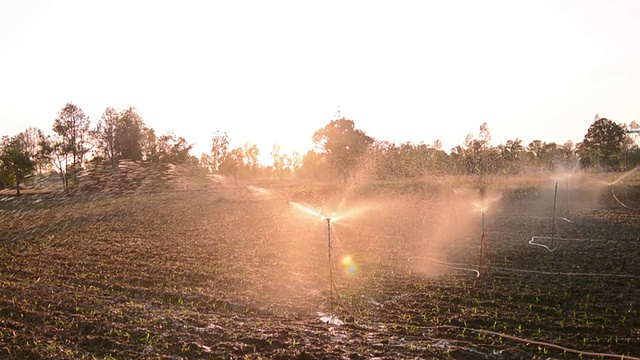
(240, 273)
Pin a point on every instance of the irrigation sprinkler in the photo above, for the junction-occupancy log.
(322, 216)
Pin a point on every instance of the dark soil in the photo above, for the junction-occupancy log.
(237, 272)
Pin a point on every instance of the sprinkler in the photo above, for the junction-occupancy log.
(324, 217)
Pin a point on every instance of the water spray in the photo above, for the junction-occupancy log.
(613, 191)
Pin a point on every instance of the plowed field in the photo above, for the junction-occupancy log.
(242, 272)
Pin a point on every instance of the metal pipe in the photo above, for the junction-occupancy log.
(330, 266)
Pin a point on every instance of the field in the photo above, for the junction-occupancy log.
(230, 271)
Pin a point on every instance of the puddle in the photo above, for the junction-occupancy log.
(330, 319)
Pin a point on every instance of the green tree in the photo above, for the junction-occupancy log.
(15, 159)
(343, 144)
(603, 145)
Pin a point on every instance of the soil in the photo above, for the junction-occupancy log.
(238, 272)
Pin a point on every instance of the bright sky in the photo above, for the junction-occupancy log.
(275, 71)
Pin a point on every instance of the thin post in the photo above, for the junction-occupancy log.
(553, 225)
(566, 187)
(330, 266)
(483, 248)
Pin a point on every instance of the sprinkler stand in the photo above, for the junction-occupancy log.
(483, 249)
(330, 266)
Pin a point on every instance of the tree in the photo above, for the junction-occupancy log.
(633, 156)
(232, 163)
(476, 157)
(602, 145)
(511, 153)
(313, 165)
(219, 149)
(105, 135)
(150, 145)
(70, 143)
(128, 135)
(15, 159)
(251, 153)
(282, 162)
(343, 144)
(296, 161)
(205, 162)
(72, 128)
(32, 139)
(174, 149)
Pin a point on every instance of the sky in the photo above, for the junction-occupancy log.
(276, 71)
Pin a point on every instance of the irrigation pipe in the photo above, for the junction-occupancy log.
(523, 340)
(558, 240)
(565, 273)
(455, 266)
(444, 264)
(507, 336)
(615, 197)
(553, 239)
(541, 343)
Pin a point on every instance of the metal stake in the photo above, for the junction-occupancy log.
(330, 267)
(483, 248)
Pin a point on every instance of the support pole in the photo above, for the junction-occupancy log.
(483, 249)
(553, 225)
(330, 267)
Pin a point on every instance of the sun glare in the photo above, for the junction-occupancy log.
(308, 210)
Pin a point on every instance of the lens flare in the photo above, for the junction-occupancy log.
(350, 267)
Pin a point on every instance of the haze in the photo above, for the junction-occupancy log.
(274, 72)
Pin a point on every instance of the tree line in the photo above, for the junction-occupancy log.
(342, 151)
(74, 143)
